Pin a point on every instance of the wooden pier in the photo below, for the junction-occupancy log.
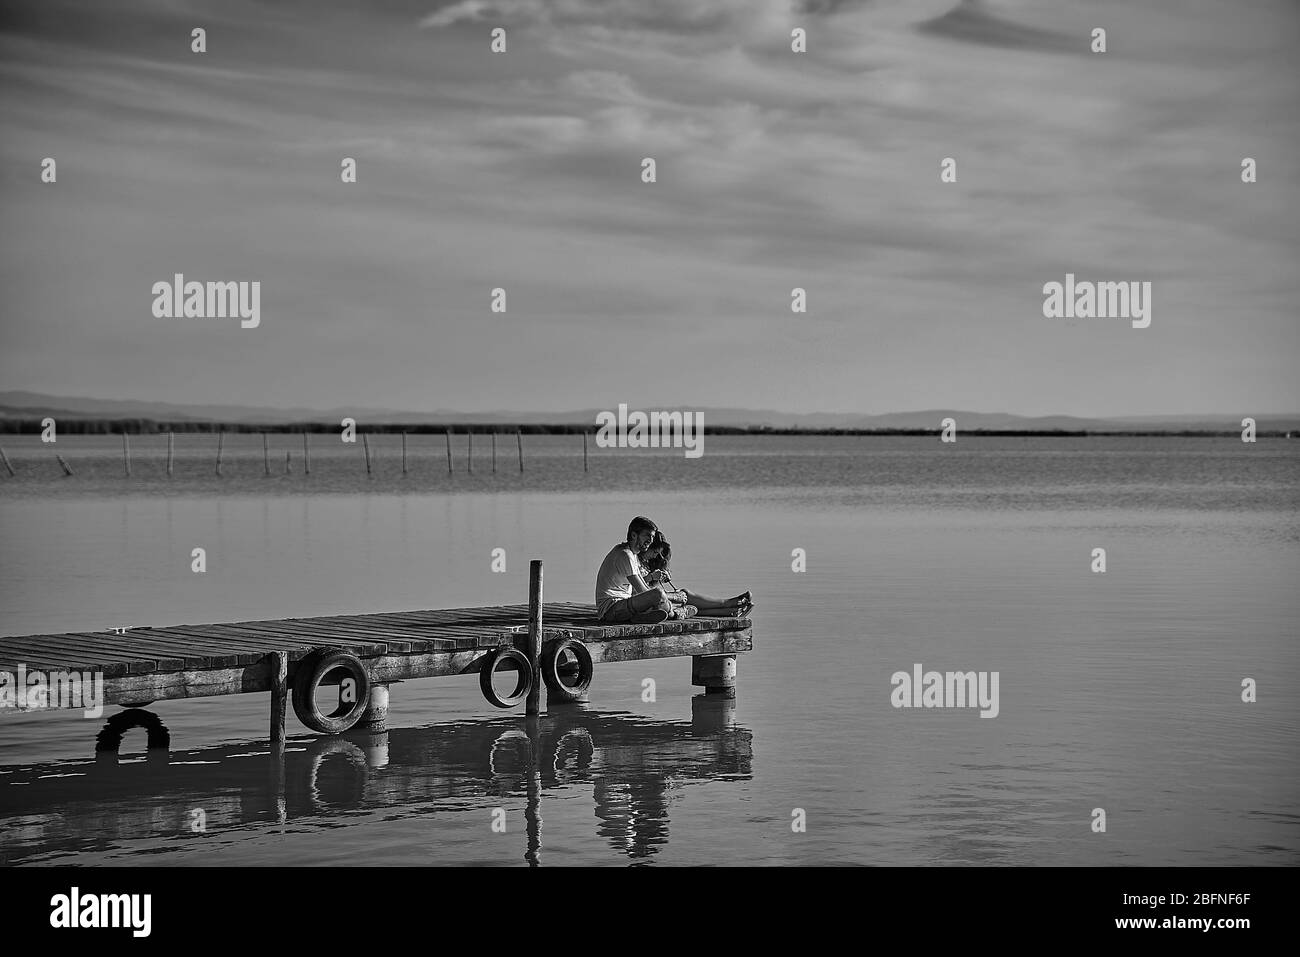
(293, 657)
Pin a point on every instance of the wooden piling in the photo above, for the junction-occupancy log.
(221, 439)
(535, 634)
(471, 453)
(403, 453)
(494, 453)
(171, 449)
(279, 663)
(126, 454)
(519, 437)
(306, 456)
(66, 471)
(449, 451)
(266, 455)
(4, 458)
(365, 444)
(584, 450)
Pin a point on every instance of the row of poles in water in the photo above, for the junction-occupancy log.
(306, 454)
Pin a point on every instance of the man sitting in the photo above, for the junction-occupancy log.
(622, 595)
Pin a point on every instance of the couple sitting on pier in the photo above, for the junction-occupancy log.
(633, 587)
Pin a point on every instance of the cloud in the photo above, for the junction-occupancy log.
(734, 17)
(972, 22)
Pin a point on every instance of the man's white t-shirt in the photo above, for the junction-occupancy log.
(612, 581)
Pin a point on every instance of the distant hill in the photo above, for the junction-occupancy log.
(18, 404)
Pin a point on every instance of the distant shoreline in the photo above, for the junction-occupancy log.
(138, 426)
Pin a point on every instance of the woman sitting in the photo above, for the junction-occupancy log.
(656, 559)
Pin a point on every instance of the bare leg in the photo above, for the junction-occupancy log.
(713, 607)
(702, 601)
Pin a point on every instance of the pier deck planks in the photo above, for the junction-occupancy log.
(181, 661)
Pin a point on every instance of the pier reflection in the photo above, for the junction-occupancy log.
(630, 766)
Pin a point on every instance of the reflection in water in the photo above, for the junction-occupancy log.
(630, 764)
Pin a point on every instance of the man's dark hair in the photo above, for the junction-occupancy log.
(641, 524)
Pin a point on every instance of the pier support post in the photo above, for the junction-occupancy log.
(580, 700)
(279, 662)
(534, 704)
(375, 718)
(716, 673)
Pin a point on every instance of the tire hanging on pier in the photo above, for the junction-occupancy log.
(552, 669)
(523, 666)
(309, 675)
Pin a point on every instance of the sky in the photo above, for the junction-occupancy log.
(775, 170)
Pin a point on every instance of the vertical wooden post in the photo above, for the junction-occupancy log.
(449, 451)
(535, 634)
(519, 436)
(66, 471)
(584, 450)
(279, 663)
(221, 438)
(171, 449)
(126, 453)
(494, 453)
(403, 453)
(4, 458)
(471, 453)
(266, 455)
(365, 444)
(306, 456)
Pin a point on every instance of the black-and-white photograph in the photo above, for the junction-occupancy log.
(671, 433)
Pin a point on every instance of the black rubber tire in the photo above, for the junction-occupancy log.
(550, 665)
(307, 678)
(109, 739)
(526, 677)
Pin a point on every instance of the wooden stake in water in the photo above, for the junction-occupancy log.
(126, 454)
(449, 451)
(306, 456)
(221, 440)
(519, 437)
(66, 471)
(494, 453)
(403, 453)
(365, 444)
(171, 446)
(584, 450)
(471, 453)
(279, 669)
(4, 458)
(535, 635)
(266, 455)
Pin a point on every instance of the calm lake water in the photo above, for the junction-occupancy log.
(1119, 691)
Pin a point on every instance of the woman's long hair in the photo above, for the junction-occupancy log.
(660, 553)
